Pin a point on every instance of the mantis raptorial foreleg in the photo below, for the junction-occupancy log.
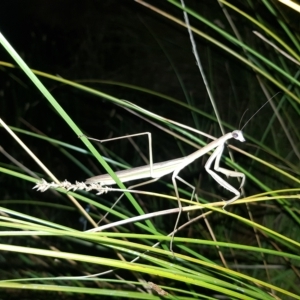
(229, 173)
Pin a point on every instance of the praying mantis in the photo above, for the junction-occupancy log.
(174, 166)
(157, 170)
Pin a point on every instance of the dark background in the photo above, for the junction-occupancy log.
(122, 41)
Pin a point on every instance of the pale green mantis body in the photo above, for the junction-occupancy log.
(174, 166)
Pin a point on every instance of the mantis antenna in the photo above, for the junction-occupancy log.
(257, 111)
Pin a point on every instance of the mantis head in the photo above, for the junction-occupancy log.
(238, 135)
